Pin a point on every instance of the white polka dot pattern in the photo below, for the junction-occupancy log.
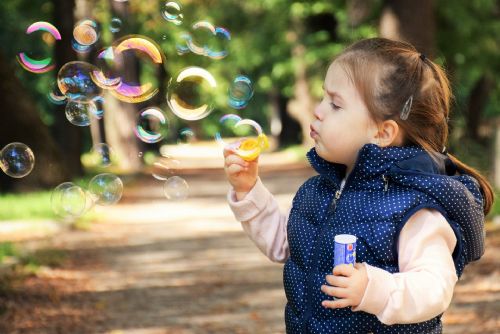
(378, 198)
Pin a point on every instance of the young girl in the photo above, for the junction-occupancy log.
(384, 176)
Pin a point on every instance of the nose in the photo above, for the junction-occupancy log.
(317, 112)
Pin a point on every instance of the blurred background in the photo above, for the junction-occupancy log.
(161, 253)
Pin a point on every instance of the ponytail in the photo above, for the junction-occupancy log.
(486, 188)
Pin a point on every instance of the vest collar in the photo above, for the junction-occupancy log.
(374, 161)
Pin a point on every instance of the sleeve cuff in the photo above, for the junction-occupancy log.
(254, 202)
(377, 291)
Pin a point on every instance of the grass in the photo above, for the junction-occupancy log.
(34, 205)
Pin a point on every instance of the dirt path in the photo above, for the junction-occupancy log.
(156, 266)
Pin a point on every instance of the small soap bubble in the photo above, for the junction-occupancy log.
(78, 112)
(39, 65)
(172, 12)
(115, 25)
(218, 49)
(55, 96)
(102, 155)
(176, 188)
(69, 200)
(17, 160)
(165, 167)
(106, 189)
(74, 81)
(106, 73)
(243, 136)
(86, 32)
(79, 47)
(240, 92)
(190, 93)
(186, 136)
(152, 125)
(98, 112)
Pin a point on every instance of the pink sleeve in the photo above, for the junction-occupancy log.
(262, 221)
(424, 286)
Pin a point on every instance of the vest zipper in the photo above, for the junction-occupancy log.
(331, 210)
(386, 182)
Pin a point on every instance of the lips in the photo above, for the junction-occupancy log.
(313, 132)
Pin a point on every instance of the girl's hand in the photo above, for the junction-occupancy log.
(241, 174)
(347, 283)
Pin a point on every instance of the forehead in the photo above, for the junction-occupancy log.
(339, 81)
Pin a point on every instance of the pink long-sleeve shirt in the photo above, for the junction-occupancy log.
(420, 291)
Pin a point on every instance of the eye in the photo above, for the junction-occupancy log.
(334, 106)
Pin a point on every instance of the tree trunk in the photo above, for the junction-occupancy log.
(21, 122)
(358, 11)
(68, 137)
(411, 21)
(300, 107)
(120, 118)
(477, 101)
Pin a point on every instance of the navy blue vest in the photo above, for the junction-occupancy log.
(385, 187)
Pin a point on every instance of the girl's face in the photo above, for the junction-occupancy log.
(342, 122)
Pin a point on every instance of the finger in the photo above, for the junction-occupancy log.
(235, 169)
(231, 148)
(337, 303)
(338, 281)
(234, 159)
(334, 291)
(343, 270)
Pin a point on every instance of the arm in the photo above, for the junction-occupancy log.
(424, 286)
(262, 220)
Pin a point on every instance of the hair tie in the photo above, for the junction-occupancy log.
(405, 112)
(423, 57)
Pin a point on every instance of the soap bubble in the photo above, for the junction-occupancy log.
(202, 32)
(55, 96)
(78, 112)
(143, 48)
(218, 49)
(74, 81)
(86, 32)
(106, 189)
(39, 65)
(102, 155)
(79, 47)
(17, 160)
(190, 93)
(115, 25)
(176, 188)
(106, 74)
(152, 125)
(181, 46)
(70, 200)
(98, 112)
(240, 92)
(186, 136)
(172, 12)
(165, 167)
(208, 40)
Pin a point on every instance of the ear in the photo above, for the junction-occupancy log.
(388, 134)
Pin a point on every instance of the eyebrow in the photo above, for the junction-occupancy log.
(332, 93)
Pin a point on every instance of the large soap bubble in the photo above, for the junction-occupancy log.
(176, 188)
(106, 189)
(74, 81)
(69, 200)
(190, 93)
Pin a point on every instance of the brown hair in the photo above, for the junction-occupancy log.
(387, 73)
